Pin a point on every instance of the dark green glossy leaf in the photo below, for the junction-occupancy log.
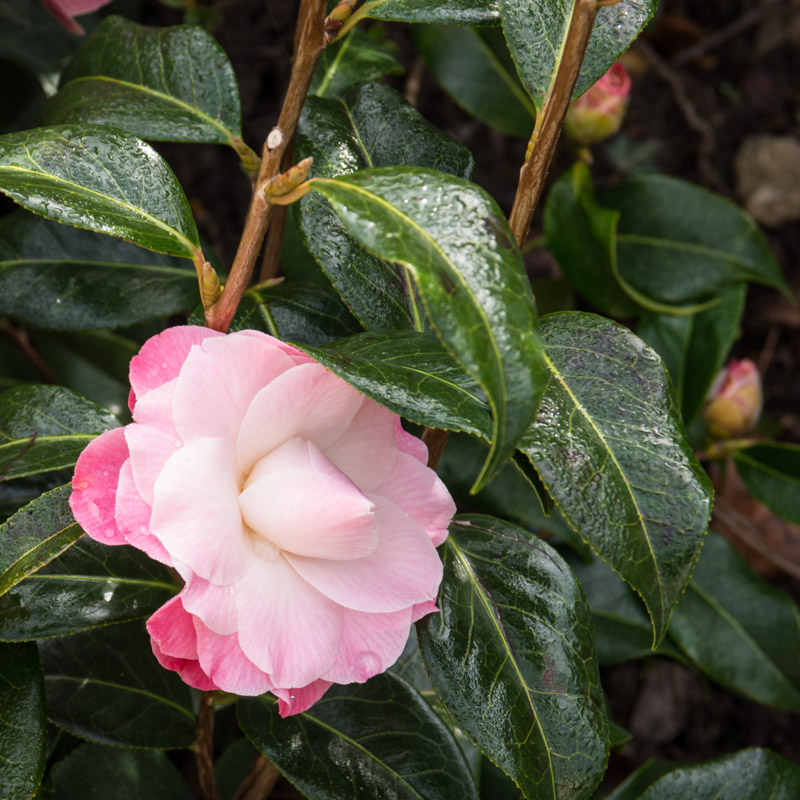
(102, 180)
(582, 236)
(633, 786)
(296, 313)
(370, 125)
(609, 446)
(447, 12)
(379, 739)
(740, 630)
(355, 58)
(23, 723)
(89, 586)
(163, 84)
(21, 491)
(677, 242)
(106, 686)
(754, 774)
(54, 276)
(695, 347)
(511, 655)
(622, 630)
(36, 534)
(232, 766)
(455, 244)
(771, 473)
(114, 774)
(536, 31)
(474, 67)
(46, 427)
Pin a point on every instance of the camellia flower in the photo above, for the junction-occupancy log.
(598, 113)
(65, 11)
(301, 516)
(733, 405)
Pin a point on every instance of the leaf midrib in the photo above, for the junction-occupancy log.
(772, 472)
(79, 262)
(62, 576)
(689, 247)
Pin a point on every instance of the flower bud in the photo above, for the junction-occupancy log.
(598, 114)
(733, 405)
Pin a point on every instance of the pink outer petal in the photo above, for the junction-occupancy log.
(404, 569)
(366, 451)
(174, 642)
(133, 518)
(302, 699)
(94, 486)
(150, 449)
(223, 661)
(407, 443)
(296, 499)
(162, 356)
(213, 605)
(421, 610)
(196, 511)
(65, 10)
(298, 356)
(418, 491)
(219, 380)
(286, 627)
(370, 644)
(307, 401)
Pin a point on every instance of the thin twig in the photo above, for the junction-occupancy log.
(550, 119)
(308, 46)
(204, 748)
(19, 336)
(270, 264)
(260, 781)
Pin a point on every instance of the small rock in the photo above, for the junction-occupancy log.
(768, 178)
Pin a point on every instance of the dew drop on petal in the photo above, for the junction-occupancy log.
(105, 473)
(368, 664)
(163, 365)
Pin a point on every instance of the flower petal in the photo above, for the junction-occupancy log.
(286, 627)
(162, 356)
(94, 486)
(404, 569)
(227, 666)
(296, 499)
(420, 493)
(301, 700)
(150, 449)
(408, 443)
(196, 512)
(174, 643)
(307, 401)
(370, 644)
(217, 383)
(214, 605)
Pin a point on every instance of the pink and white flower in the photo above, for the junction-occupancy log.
(598, 113)
(301, 516)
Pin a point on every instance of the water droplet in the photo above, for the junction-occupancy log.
(367, 665)
(163, 365)
(105, 473)
(58, 299)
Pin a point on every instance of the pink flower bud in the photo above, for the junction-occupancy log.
(598, 114)
(303, 519)
(733, 405)
(66, 10)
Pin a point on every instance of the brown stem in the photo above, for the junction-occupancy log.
(270, 264)
(19, 336)
(204, 748)
(551, 118)
(436, 440)
(260, 781)
(309, 43)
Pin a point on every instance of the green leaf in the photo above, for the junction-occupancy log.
(695, 347)
(89, 586)
(771, 473)
(43, 428)
(536, 31)
(474, 67)
(740, 630)
(54, 276)
(677, 243)
(17, 493)
(447, 12)
(609, 446)
(35, 535)
(102, 180)
(161, 84)
(379, 739)
(633, 786)
(370, 125)
(114, 774)
(231, 768)
(106, 686)
(753, 774)
(23, 724)
(582, 237)
(622, 630)
(355, 58)
(295, 313)
(456, 246)
(511, 655)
